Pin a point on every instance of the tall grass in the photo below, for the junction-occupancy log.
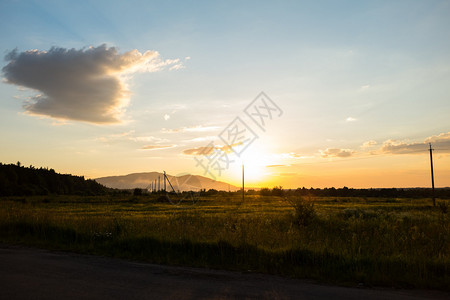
(393, 242)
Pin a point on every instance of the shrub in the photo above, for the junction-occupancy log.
(304, 211)
(265, 192)
(278, 191)
(443, 206)
(137, 192)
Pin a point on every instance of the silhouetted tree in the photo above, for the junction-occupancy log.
(16, 180)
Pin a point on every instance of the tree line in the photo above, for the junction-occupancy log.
(17, 180)
(443, 193)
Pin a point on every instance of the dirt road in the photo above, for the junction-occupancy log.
(40, 274)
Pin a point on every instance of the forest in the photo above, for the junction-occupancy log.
(17, 180)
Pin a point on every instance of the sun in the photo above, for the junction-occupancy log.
(255, 159)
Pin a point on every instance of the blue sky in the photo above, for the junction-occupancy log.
(343, 72)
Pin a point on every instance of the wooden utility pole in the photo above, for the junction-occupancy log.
(164, 181)
(432, 175)
(243, 187)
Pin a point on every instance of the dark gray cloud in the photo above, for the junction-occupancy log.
(85, 85)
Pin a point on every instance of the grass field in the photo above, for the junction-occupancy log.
(374, 241)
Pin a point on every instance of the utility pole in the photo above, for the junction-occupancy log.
(164, 181)
(432, 175)
(243, 187)
(159, 183)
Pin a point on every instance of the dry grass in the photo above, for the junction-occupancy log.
(395, 242)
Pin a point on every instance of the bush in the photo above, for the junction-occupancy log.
(278, 191)
(443, 206)
(304, 211)
(137, 192)
(265, 192)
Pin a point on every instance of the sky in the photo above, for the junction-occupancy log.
(303, 93)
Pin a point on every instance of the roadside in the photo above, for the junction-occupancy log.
(28, 273)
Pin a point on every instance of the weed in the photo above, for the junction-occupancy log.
(304, 212)
(443, 206)
(373, 240)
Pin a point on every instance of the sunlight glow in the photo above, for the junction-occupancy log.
(255, 160)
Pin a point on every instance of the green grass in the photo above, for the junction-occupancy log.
(376, 241)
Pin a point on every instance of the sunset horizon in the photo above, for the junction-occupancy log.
(344, 104)
(256, 149)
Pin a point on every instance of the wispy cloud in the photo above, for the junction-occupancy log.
(87, 85)
(199, 128)
(336, 152)
(157, 147)
(292, 155)
(147, 139)
(199, 151)
(202, 139)
(210, 149)
(369, 144)
(130, 136)
(350, 119)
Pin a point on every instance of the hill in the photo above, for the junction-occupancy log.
(180, 183)
(16, 180)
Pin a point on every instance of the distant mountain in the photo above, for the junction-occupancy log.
(179, 183)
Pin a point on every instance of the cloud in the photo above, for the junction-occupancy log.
(398, 147)
(334, 152)
(166, 117)
(198, 128)
(350, 119)
(369, 144)
(86, 85)
(199, 151)
(176, 66)
(202, 139)
(157, 147)
(292, 155)
(440, 142)
(210, 149)
(147, 139)
(130, 136)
